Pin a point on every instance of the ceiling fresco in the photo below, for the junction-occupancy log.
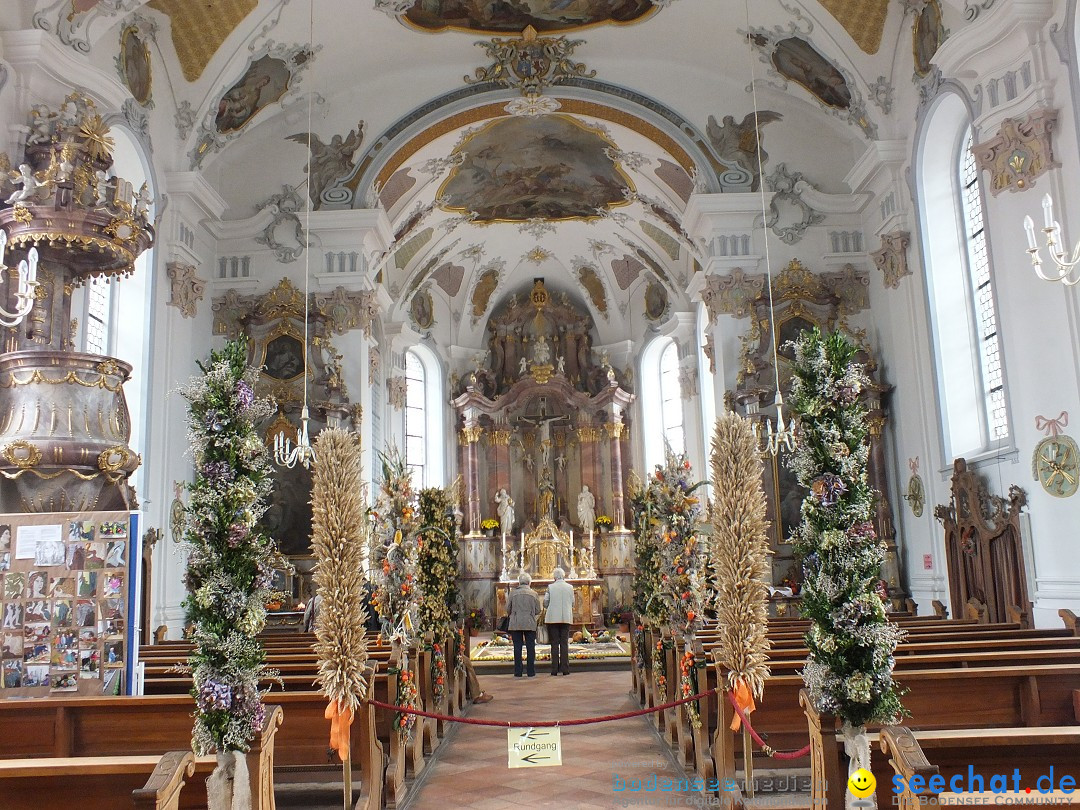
(517, 169)
(513, 16)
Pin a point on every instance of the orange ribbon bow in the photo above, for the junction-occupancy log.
(341, 719)
(744, 698)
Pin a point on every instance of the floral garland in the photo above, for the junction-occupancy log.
(230, 564)
(408, 697)
(438, 672)
(647, 584)
(436, 563)
(682, 554)
(394, 552)
(851, 640)
(462, 653)
(658, 667)
(639, 646)
(688, 686)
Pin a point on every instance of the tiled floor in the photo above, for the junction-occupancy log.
(470, 769)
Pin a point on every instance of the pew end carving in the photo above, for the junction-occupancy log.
(162, 789)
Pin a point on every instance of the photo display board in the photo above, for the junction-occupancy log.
(69, 587)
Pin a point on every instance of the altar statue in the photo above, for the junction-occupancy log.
(546, 499)
(542, 352)
(505, 511)
(586, 508)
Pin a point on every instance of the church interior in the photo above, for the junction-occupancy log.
(735, 349)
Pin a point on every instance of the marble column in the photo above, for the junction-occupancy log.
(614, 432)
(470, 436)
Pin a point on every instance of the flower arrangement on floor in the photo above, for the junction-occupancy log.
(477, 618)
(681, 551)
(230, 564)
(436, 563)
(338, 537)
(738, 558)
(851, 640)
(394, 548)
(688, 686)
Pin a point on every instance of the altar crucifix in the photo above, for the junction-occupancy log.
(545, 481)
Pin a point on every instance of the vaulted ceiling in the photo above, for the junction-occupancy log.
(585, 186)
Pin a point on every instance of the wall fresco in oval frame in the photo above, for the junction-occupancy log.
(796, 59)
(422, 310)
(553, 167)
(511, 18)
(134, 63)
(927, 34)
(264, 82)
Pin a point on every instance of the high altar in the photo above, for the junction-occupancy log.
(538, 554)
(540, 418)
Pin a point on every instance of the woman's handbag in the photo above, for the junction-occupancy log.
(504, 624)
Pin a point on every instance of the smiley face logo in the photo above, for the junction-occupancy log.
(861, 783)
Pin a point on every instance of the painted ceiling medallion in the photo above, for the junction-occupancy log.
(551, 167)
(530, 63)
(513, 15)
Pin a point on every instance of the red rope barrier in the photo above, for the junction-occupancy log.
(541, 723)
(802, 752)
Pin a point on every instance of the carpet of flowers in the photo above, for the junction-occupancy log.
(851, 640)
(230, 564)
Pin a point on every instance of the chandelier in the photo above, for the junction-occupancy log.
(1065, 263)
(782, 435)
(28, 283)
(285, 454)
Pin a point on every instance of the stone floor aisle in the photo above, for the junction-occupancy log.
(471, 771)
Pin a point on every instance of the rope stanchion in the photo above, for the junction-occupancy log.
(583, 721)
(769, 750)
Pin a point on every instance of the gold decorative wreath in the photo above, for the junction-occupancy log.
(22, 454)
(113, 459)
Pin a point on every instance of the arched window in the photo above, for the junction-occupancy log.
(424, 418)
(964, 324)
(415, 418)
(671, 399)
(661, 401)
(986, 322)
(98, 316)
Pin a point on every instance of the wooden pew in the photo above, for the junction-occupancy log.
(948, 753)
(106, 783)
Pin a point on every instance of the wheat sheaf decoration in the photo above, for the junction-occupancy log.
(339, 537)
(739, 558)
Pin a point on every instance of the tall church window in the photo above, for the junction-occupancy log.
(661, 401)
(671, 399)
(986, 321)
(966, 346)
(415, 419)
(425, 417)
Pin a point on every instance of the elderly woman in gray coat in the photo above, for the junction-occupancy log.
(523, 609)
